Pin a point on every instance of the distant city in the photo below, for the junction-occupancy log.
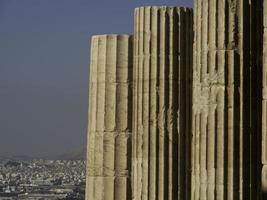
(40, 179)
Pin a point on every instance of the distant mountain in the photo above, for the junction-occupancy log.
(17, 157)
(74, 154)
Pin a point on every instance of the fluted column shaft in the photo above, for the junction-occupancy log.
(110, 121)
(226, 101)
(215, 55)
(162, 103)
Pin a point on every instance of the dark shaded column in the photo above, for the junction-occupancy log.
(162, 103)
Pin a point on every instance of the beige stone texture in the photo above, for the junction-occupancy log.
(162, 66)
(110, 121)
(226, 100)
(194, 127)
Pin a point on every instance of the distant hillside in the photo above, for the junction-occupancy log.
(18, 157)
(74, 154)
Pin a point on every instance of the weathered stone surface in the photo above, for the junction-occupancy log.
(198, 110)
(110, 121)
(226, 99)
(162, 103)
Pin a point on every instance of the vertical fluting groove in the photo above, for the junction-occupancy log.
(248, 181)
(189, 112)
(193, 155)
(145, 101)
(109, 141)
(162, 108)
(198, 38)
(149, 28)
(212, 152)
(195, 90)
(180, 104)
(216, 153)
(204, 72)
(187, 100)
(230, 123)
(136, 161)
(204, 41)
(237, 140)
(108, 170)
(147, 52)
(123, 75)
(135, 137)
(264, 105)
(221, 24)
(162, 61)
(246, 98)
(203, 146)
(182, 99)
(171, 105)
(153, 106)
(158, 99)
(175, 95)
(256, 38)
(130, 117)
(179, 100)
(197, 154)
(240, 38)
(210, 165)
(201, 42)
(220, 145)
(264, 108)
(140, 107)
(212, 24)
(224, 114)
(167, 106)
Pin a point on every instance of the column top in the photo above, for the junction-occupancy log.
(111, 36)
(164, 8)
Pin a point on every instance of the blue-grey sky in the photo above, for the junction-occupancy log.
(44, 68)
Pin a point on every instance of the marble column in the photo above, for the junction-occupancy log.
(226, 100)
(110, 118)
(162, 66)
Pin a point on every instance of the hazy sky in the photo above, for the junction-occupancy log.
(44, 68)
